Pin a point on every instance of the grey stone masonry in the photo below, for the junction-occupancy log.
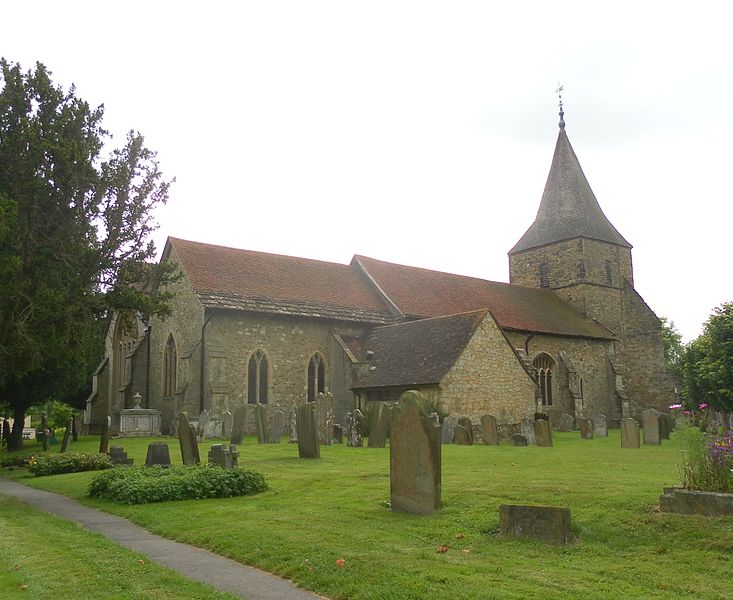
(543, 433)
(489, 432)
(414, 457)
(652, 434)
(549, 524)
(308, 446)
(630, 434)
(565, 422)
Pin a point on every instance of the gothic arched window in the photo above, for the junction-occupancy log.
(170, 363)
(316, 376)
(544, 365)
(257, 378)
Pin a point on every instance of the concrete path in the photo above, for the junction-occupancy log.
(201, 565)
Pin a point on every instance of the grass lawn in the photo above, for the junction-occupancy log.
(318, 511)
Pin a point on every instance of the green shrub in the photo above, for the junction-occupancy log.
(141, 485)
(15, 459)
(68, 462)
(707, 459)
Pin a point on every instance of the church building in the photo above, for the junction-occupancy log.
(568, 334)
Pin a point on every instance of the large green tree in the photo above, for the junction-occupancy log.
(75, 219)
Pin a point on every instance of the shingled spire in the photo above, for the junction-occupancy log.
(569, 208)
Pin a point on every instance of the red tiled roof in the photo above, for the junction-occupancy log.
(420, 293)
(247, 280)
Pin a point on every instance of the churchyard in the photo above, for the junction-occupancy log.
(326, 522)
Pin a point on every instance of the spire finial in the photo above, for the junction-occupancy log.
(559, 91)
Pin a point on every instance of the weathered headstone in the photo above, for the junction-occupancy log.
(76, 423)
(239, 422)
(293, 426)
(202, 424)
(338, 434)
(223, 456)
(414, 457)
(465, 422)
(540, 416)
(651, 427)
(436, 419)
(356, 429)
(278, 424)
(586, 428)
(629, 434)
(67, 436)
(118, 456)
(379, 427)
(308, 446)
(665, 425)
(158, 455)
(489, 431)
(565, 422)
(324, 417)
(526, 428)
(104, 439)
(517, 439)
(449, 424)
(261, 424)
(600, 426)
(46, 433)
(460, 436)
(549, 524)
(188, 441)
(226, 424)
(543, 433)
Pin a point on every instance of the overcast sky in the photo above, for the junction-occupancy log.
(417, 132)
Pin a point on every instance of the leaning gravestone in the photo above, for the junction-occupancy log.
(76, 423)
(565, 422)
(449, 424)
(324, 417)
(379, 427)
(226, 424)
(308, 446)
(158, 455)
(239, 422)
(278, 424)
(104, 439)
(600, 426)
(518, 439)
(543, 433)
(461, 436)
(356, 429)
(489, 431)
(586, 428)
(651, 427)
(118, 456)
(188, 441)
(263, 434)
(67, 436)
(526, 428)
(630, 434)
(414, 457)
(465, 422)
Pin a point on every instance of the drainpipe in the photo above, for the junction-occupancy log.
(207, 318)
(148, 328)
(526, 343)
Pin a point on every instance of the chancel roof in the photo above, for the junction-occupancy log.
(569, 208)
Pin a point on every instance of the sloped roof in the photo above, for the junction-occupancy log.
(569, 208)
(420, 293)
(416, 352)
(257, 281)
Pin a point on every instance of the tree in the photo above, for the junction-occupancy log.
(74, 225)
(674, 350)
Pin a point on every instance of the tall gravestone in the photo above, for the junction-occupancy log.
(293, 426)
(489, 431)
(261, 425)
(565, 422)
(226, 424)
(338, 434)
(67, 436)
(543, 433)
(586, 428)
(76, 423)
(239, 422)
(665, 425)
(380, 426)
(104, 438)
(600, 426)
(414, 457)
(467, 426)
(202, 423)
(308, 446)
(629, 434)
(278, 424)
(449, 424)
(188, 441)
(526, 428)
(652, 434)
(324, 417)
(356, 429)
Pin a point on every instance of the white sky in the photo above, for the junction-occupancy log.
(416, 132)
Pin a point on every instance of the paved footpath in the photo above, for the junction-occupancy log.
(201, 565)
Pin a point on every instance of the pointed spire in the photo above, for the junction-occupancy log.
(568, 208)
(558, 91)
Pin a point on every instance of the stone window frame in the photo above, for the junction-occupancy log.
(609, 273)
(170, 367)
(544, 275)
(316, 383)
(259, 393)
(545, 367)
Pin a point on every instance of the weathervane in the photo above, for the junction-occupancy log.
(559, 91)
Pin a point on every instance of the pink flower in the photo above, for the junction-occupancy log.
(702, 405)
(674, 406)
(686, 412)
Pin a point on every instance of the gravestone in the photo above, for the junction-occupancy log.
(543, 433)
(379, 427)
(338, 434)
(188, 441)
(104, 438)
(549, 524)
(67, 436)
(356, 429)
(586, 428)
(436, 419)
(461, 436)
(202, 424)
(118, 456)
(414, 457)
(324, 417)
(565, 422)
(138, 421)
(308, 446)
(158, 455)
(651, 427)
(46, 433)
(489, 431)
(261, 424)
(449, 424)
(227, 458)
(293, 426)
(226, 424)
(629, 434)
(239, 422)
(526, 428)
(518, 439)
(665, 425)
(76, 423)
(465, 422)
(278, 424)
(600, 426)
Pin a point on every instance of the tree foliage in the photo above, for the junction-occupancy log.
(74, 223)
(674, 349)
